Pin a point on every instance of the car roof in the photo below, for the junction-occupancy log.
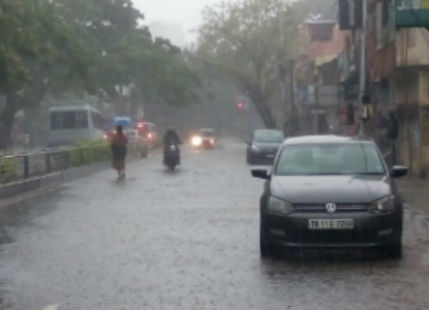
(325, 140)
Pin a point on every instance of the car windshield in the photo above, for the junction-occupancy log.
(330, 159)
(268, 136)
(207, 133)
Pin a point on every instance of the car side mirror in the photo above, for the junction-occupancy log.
(261, 174)
(399, 171)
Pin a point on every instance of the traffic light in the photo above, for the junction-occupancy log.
(240, 105)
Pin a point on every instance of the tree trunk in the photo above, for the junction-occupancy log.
(263, 109)
(7, 120)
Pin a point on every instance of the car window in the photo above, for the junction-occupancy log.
(268, 136)
(207, 133)
(329, 159)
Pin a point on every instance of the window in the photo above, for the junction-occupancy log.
(322, 32)
(97, 120)
(330, 159)
(386, 12)
(69, 120)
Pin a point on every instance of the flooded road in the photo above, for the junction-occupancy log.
(185, 240)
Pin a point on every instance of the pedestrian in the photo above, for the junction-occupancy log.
(119, 151)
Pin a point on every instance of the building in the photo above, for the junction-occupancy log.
(397, 76)
(318, 75)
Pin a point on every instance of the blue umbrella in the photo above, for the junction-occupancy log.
(122, 121)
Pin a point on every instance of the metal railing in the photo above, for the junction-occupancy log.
(23, 166)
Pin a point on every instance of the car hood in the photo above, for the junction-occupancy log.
(323, 189)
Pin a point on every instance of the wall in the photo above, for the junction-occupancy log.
(412, 47)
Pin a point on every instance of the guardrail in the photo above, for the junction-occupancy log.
(23, 166)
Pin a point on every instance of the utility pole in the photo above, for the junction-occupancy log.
(362, 81)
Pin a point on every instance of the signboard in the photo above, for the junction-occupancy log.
(350, 14)
(412, 13)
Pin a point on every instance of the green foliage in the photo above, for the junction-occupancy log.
(84, 46)
(251, 42)
(85, 153)
(8, 170)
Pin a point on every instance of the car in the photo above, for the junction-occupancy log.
(330, 192)
(136, 141)
(263, 146)
(149, 134)
(205, 138)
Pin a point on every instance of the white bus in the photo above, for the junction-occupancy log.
(73, 123)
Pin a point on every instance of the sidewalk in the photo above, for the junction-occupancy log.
(415, 193)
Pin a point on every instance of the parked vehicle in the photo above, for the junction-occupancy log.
(73, 123)
(330, 192)
(263, 146)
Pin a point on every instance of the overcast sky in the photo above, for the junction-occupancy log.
(187, 13)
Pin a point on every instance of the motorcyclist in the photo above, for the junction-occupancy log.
(171, 138)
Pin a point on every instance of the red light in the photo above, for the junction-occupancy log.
(240, 105)
(150, 135)
(140, 125)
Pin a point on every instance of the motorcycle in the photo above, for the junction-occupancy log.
(172, 157)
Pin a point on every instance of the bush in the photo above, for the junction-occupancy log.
(85, 153)
(8, 170)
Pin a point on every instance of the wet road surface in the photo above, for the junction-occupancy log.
(185, 240)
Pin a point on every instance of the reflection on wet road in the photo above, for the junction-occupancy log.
(185, 240)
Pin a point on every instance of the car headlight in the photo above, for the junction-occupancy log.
(279, 206)
(197, 141)
(256, 148)
(384, 205)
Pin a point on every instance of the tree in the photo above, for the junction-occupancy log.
(251, 41)
(48, 47)
(37, 53)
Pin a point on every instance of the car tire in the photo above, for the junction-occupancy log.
(249, 159)
(264, 247)
(395, 250)
(144, 154)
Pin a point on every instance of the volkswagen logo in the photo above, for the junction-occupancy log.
(331, 207)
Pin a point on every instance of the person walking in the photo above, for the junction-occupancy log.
(119, 151)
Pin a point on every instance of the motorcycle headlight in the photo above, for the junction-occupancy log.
(279, 207)
(384, 205)
(256, 148)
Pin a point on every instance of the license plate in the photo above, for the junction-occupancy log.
(331, 224)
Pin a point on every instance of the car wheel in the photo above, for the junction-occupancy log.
(264, 247)
(249, 159)
(395, 250)
(143, 154)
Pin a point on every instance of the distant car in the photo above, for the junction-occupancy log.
(136, 141)
(330, 192)
(148, 132)
(205, 138)
(263, 146)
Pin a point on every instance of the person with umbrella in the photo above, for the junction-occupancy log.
(118, 145)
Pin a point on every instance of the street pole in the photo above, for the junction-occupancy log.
(292, 99)
(362, 80)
